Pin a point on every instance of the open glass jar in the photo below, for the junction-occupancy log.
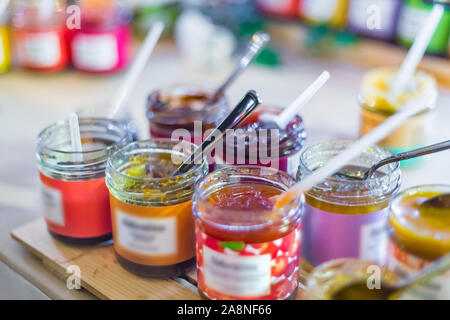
(184, 108)
(261, 143)
(245, 248)
(151, 211)
(345, 218)
(419, 235)
(75, 197)
(376, 107)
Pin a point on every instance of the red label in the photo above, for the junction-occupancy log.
(240, 271)
(78, 209)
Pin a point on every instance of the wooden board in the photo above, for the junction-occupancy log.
(100, 272)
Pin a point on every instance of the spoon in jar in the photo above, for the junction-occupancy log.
(259, 39)
(359, 290)
(361, 175)
(250, 101)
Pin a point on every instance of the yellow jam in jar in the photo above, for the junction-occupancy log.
(419, 235)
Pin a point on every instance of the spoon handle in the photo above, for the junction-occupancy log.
(410, 154)
(250, 101)
(259, 39)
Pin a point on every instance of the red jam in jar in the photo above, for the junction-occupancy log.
(262, 143)
(184, 108)
(245, 248)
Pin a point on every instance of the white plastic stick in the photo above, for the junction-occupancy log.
(3, 6)
(283, 119)
(75, 137)
(370, 139)
(417, 50)
(137, 67)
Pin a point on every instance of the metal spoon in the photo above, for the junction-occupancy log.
(395, 158)
(250, 101)
(359, 290)
(259, 39)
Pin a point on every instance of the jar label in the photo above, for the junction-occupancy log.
(40, 50)
(239, 270)
(78, 209)
(147, 235)
(406, 264)
(319, 10)
(95, 52)
(327, 236)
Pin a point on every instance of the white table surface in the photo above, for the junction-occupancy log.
(29, 102)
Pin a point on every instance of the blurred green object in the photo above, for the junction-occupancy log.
(165, 10)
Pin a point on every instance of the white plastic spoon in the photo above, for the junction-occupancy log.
(75, 137)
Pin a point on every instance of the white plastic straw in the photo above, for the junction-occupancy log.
(283, 119)
(337, 162)
(137, 66)
(75, 137)
(417, 50)
(3, 7)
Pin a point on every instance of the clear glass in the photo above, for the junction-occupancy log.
(100, 137)
(31, 14)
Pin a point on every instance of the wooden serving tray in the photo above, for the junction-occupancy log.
(101, 274)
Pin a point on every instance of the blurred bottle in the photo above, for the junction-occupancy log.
(5, 41)
(412, 16)
(330, 12)
(39, 34)
(279, 8)
(374, 18)
(102, 41)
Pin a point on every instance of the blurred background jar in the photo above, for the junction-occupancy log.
(376, 106)
(329, 12)
(279, 8)
(412, 16)
(5, 38)
(40, 34)
(102, 43)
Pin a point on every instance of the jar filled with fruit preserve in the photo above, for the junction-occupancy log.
(39, 33)
(376, 107)
(5, 42)
(246, 249)
(151, 210)
(263, 143)
(185, 109)
(102, 43)
(75, 197)
(328, 279)
(419, 234)
(345, 217)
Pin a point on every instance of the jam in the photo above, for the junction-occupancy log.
(151, 211)
(263, 143)
(245, 248)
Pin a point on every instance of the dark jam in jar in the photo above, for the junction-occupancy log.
(262, 143)
(187, 108)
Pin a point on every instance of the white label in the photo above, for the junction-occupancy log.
(147, 235)
(319, 10)
(52, 205)
(41, 49)
(95, 52)
(410, 22)
(242, 276)
(373, 241)
(358, 14)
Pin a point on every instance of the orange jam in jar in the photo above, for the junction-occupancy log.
(245, 248)
(344, 217)
(419, 235)
(151, 211)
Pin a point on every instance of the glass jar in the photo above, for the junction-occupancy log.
(245, 248)
(279, 8)
(261, 143)
(346, 218)
(75, 197)
(332, 12)
(183, 108)
(376, 107)
(102, 44)
(40, 34)
(418, 236)
(151, 211)
(329, 277)
(5, 43)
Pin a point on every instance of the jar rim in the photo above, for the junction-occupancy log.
(287, 214)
